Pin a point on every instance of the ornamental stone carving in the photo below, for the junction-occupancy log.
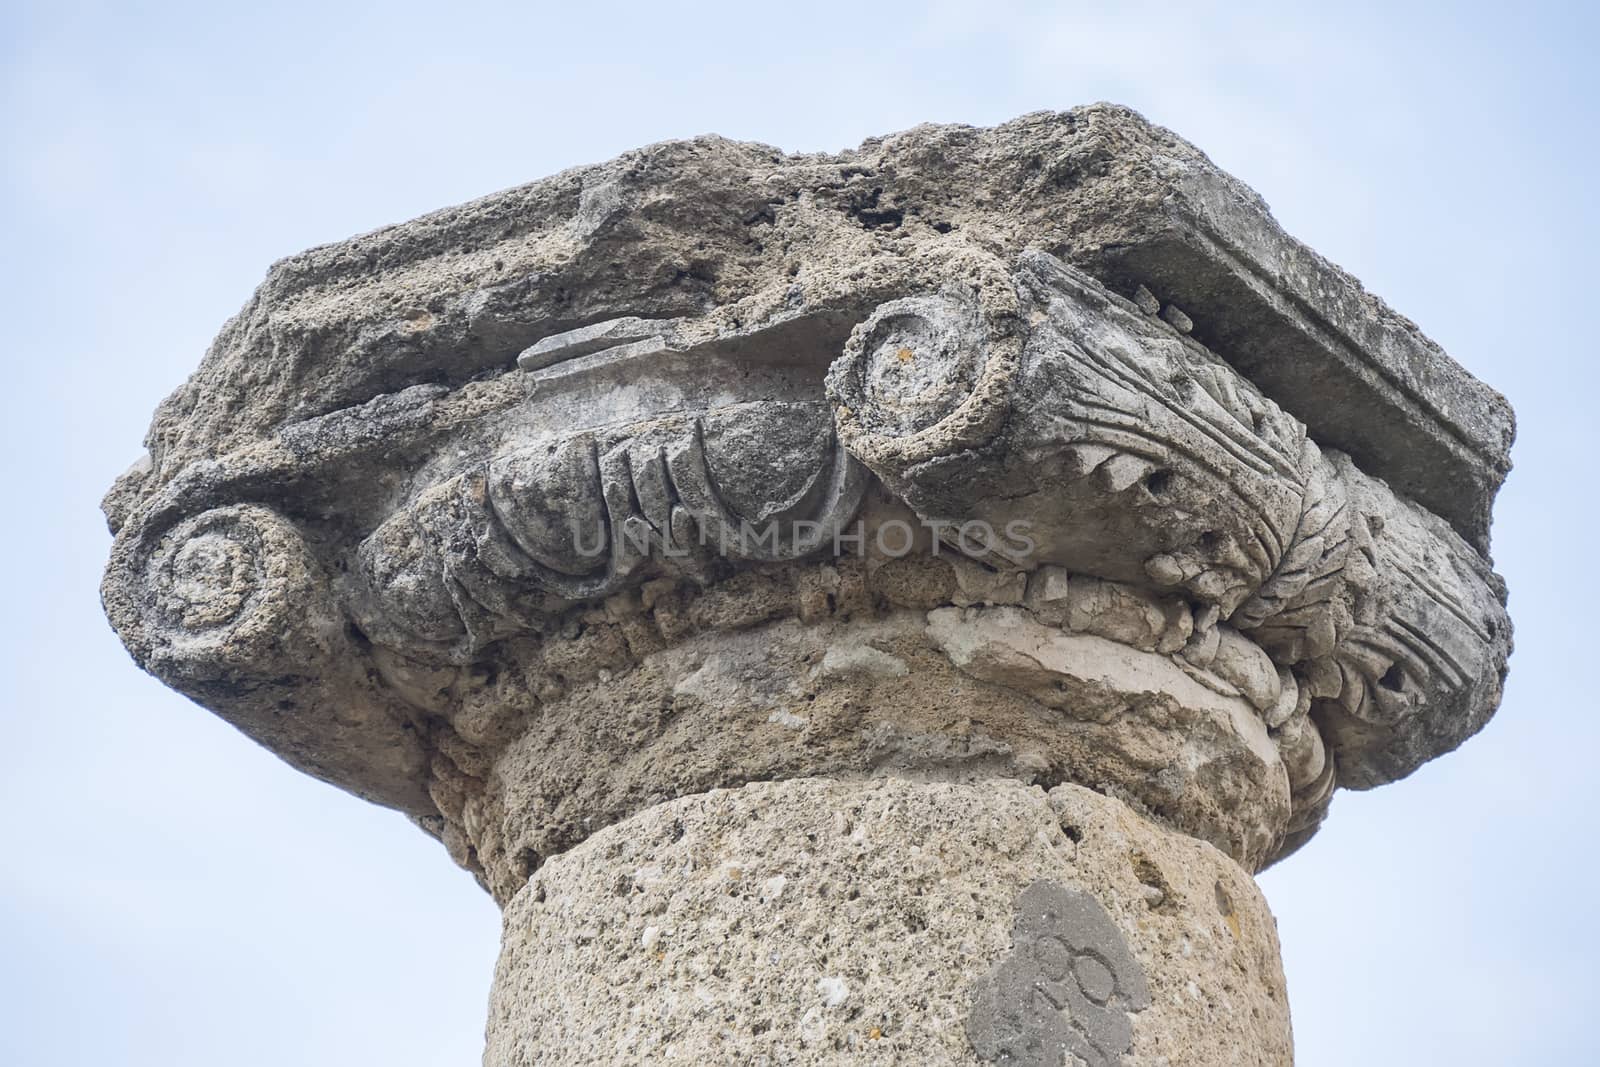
(971, 477)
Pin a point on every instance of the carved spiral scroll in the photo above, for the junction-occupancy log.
(230, 588)
(924, 377)
(1130, 453)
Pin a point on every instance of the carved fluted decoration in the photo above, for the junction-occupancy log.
(1133, 454)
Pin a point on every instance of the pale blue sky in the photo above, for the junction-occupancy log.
(170, 894)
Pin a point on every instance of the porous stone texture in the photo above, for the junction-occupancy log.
(737, 233)
(983, 461)
(889, 922)
(955, 693)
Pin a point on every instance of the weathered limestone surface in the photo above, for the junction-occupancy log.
(883, 922)
(960, 694)
(974, 464)
(738, 233)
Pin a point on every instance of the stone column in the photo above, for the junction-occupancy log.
(876, 608)
(887, 921)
